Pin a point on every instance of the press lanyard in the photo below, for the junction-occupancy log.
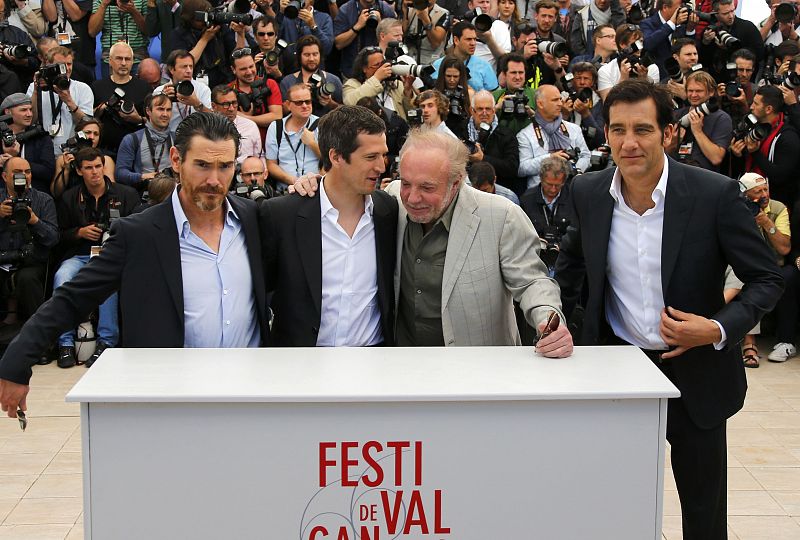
(296, 150)
(151, 145)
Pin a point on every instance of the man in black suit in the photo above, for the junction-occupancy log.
(160, 260)
(330, 259)
(653, 238)
(660, 30)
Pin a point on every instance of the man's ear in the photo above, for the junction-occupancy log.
(175, 158)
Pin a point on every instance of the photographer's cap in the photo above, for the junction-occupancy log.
(750, 180)
(15, 100)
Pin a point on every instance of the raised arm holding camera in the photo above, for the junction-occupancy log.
(425, 27)
(88, 133)
(187, 95)
(354, 29)
(120, 20)
(326, 88)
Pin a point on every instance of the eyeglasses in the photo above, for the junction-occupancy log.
(301, 101)
(253, 174)
(238, 53)
(262, 34)
(612, 36)
(227, 104)
(744, 70)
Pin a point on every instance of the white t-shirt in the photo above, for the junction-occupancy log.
(608, 75)
(501, 36)
(64, 127)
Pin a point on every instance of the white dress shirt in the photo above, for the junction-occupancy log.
(501, 36)
(634, 296)
(250, 144)
(350, 315)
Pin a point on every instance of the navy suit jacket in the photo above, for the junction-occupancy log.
(706, 227)
(658, 39)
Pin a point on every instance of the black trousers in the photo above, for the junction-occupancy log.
(788, 307)
(700, 467)
(26, 284)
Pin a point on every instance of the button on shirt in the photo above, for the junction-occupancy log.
(219, 306)
(350, 314)
(634, 297)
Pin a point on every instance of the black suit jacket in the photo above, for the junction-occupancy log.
(706, 227)
(291, 235)
(658, 38)
(39, 153)
(502, 151)
(142, 261)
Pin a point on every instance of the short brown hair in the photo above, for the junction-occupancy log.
(442, 103)
(60, 50)
(703, 78)
(545, 4)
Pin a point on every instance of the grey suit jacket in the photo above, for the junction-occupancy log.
(492, 259)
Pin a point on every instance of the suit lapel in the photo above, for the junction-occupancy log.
(677, 208)
(402, 221)
(309, 246)
(597, 228)
(169, 252)
(463, 229)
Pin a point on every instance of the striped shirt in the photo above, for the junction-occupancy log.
(118, 24)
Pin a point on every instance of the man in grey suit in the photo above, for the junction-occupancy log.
(464, 256)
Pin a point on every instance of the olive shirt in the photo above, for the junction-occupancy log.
(419, 310)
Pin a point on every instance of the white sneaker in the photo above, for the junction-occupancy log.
(782, 352)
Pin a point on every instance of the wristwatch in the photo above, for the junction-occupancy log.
(428, 27)
(772, 230)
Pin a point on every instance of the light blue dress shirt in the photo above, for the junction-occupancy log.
(219, 306)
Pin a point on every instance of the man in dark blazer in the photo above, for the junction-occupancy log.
(667, 24)
(330, 259)
(653, 238)
(164, 302)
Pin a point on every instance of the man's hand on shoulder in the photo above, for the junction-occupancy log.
(686, 330)
(12, 397)
(306, 185)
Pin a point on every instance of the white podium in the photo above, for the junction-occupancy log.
(483, 443)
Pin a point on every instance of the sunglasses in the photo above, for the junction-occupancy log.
(262, 34)
(301, 101)
(238, 53)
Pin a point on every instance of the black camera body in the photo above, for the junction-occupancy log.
(54, 76)
(218, 17)
(292, 9)
(482, 21)
(515, 104)
(76, 143)
(373, 17)
(600, 158)
(414, 117)
(254, 192)
(755, 207)
(456, 98)
(703, 16)
(273, 57)
(8, 137)
(786, 12)
(184, 88)
(750, 129)
(116, 102)
(550, 238)
(259, 91)
(320, 88)
(725, 38)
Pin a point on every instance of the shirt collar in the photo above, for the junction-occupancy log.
(182, 222)
(325, 205)
(659, 193)
(661, 18)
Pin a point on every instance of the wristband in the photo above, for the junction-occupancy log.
(72, 111)
(353, 28)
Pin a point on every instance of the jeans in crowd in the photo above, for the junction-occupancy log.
(108, 327)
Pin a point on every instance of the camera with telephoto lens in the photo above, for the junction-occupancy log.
(419, 5)
(635, 15)
(292, 9)
(20, 52)
(568, 82)
(184, 88)
(414, 117)
(482, 21)
(515, 104)
(791, 80)
(629, 54)
(218, 17)
(705, 108)
(456, 98)
(786, 12)
(674, 71)
(415, 70)
(373, 17)
(259, 91)
(117, 103)
(8, 137)
(394, 50)
(273, 56)
(20, 214)
(553, 48)
(751, 130)
(254, 192)
(724, 37)
(319, 87)
(701, 15)
(76, 143)
(600, 158)
(54, 76)
(573, 154)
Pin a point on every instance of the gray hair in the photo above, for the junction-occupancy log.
(554, 166)
(480, 94)
(454, 150)
(385, 25)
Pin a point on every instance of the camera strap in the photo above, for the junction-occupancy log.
(55, 110)
(538, 131)
(152, 146)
